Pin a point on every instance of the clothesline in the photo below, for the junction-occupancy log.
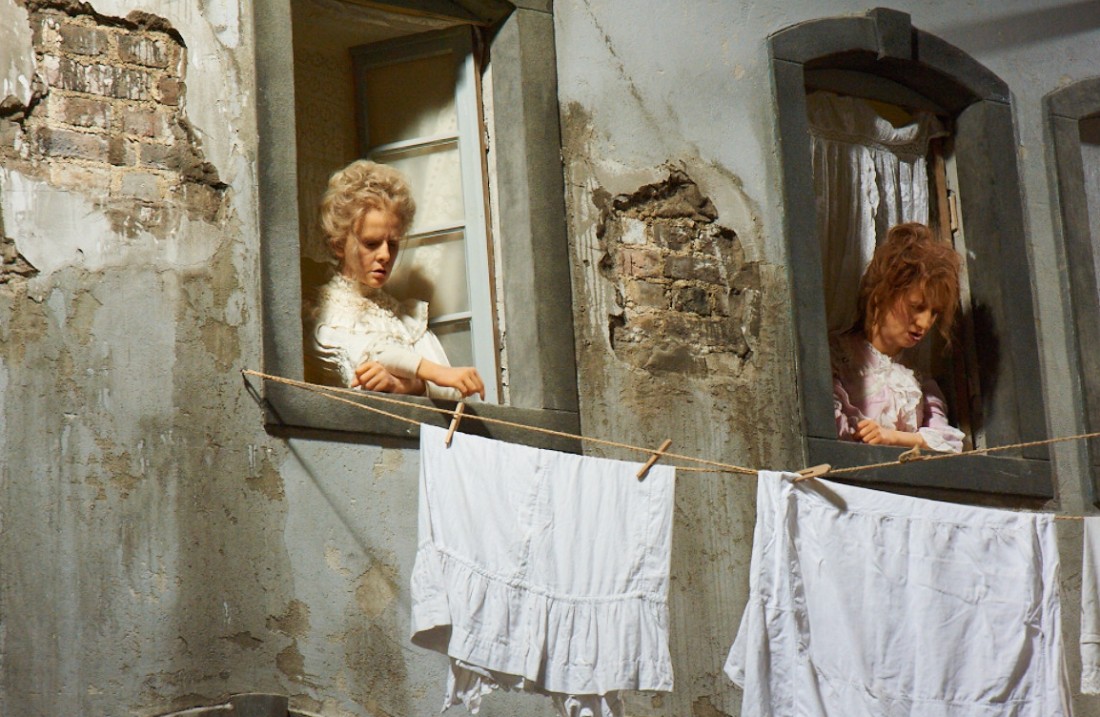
(333, 393)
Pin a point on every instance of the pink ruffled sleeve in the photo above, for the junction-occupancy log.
(937, 432)
(847, 415)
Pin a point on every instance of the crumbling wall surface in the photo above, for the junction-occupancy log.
(680, 329)
(141, 505)
(681, 304)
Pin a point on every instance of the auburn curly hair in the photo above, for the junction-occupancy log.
(357, 189)
(910, 257)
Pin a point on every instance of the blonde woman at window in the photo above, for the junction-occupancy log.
(911, 284)
(360, 335)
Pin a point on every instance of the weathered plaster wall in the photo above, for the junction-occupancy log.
(142, 510)
(159, 550)
(653, 89)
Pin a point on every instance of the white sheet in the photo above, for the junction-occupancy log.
(867, 604)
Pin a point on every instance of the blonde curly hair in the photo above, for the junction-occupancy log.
(358, 188)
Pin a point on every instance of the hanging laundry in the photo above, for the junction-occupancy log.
(542, 571)
(1090, 607)
(864, 604)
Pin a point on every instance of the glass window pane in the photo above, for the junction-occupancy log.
(436, 179)
(434, 271)
(411, 99)
(456, 342)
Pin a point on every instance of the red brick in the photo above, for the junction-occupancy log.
(169, 90)
(131, 84)
(640, 263)
(80, 111)
(98, 79)
(691, 299)
(9, 133)
(674, 236)
(160, 156)
(690, 266)
(122, 152)
(76, 145)
(145, 122)
(143, 50)
(645, 294)
(45, 31)
(83, 40)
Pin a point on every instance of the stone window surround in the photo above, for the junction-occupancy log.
(883, 44)
(1065, 108)
(534, 255)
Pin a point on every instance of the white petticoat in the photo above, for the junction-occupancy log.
(548, 569)
(869, 604)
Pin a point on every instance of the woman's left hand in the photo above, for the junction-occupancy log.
(464, 379)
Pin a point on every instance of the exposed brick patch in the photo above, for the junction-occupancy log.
(108, 117)
(686, 298)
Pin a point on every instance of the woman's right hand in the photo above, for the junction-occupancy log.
(464, 379)
(871, 433)
(372, 376)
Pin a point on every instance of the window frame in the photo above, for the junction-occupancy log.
(533, 258)
(908, 61)
(457, 42)
(1064, 109)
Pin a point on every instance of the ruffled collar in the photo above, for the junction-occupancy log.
(343, 301)
(343, 284)
(871, 376)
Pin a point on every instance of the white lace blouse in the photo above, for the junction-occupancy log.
(352, 324)
(869, 384)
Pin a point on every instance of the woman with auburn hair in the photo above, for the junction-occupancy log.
(911, 284)
(360, 336)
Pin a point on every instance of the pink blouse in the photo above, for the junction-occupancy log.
(869, 384)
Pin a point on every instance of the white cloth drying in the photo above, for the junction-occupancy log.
(868, 604)
(542, 571)
(1090, 607)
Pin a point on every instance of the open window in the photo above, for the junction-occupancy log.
(903, 74)
(410, 83)
(418, 101)
(1073, 114)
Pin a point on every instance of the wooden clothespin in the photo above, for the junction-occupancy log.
(813, 472)
(654, 458)
(913, 454)
(459, 410)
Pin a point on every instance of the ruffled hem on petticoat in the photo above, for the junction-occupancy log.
(574, 645)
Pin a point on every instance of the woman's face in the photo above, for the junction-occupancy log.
(371, 248)
(905, 325)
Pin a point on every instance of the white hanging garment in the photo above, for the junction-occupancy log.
(1090, 607)
(542, 571)
(868, 604)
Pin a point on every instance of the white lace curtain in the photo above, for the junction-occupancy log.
(868, 176)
